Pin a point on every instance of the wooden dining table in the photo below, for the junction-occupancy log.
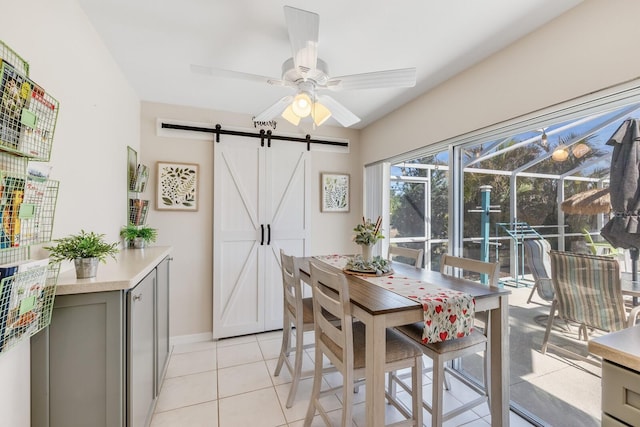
(379, 308)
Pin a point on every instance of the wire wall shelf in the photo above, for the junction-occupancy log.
(10, 56)
(138, 176)
(28, 116)
(26, 300)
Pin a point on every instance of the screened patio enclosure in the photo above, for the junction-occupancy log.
(511, 188)
(479, 196)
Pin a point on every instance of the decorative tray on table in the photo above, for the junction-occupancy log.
(358, 266)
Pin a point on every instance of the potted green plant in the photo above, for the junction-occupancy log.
(138, 236)
(85, 249)
(129, 234)
(145, 236)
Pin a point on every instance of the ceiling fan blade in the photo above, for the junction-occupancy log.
(304, 27)
(404, 77)
(338, 111)
(274, 110)
(230, 74)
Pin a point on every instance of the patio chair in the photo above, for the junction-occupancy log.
(599, 248)
(587, 292)
(344, 345)
(400, 254)
(539, 262)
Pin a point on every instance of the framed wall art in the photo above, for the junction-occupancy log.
(177, 188)
(334, 192)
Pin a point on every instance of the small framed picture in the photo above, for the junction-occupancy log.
(177, 188)
(334, 192)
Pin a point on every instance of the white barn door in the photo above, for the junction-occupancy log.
(261, 204)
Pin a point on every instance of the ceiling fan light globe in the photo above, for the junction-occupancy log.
(290, 116)
(301, 105)
(320, 113)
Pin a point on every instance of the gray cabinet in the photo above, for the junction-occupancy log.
(141, 354)
(620, 353)
(162, 319)
(103, 357)
(620, 394)
(77, 364)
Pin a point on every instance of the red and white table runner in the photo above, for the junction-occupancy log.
(448, 314)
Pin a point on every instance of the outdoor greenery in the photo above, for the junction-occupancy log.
(536, 197)
(82, 245)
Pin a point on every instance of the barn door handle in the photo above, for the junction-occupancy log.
(262, 234)
(269, 234)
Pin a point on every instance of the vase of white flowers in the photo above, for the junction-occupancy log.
(367, 235)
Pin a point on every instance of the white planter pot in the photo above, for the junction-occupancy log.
(366, 252)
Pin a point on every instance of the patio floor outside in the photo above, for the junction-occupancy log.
(562, 392)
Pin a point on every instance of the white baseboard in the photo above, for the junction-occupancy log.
(190, 339)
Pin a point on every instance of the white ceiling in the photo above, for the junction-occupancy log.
(155, 42)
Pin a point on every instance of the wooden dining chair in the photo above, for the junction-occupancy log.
(344, 345)
(587, 292)
(298, 316)
(445, 351)
(401, 254)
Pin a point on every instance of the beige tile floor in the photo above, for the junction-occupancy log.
(230, 383)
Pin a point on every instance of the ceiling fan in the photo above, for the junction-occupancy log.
(309, 76)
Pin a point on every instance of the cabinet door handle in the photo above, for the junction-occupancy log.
(137, 297)
(268, 234)
(262, 234)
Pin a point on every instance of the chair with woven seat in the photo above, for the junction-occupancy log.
(298, 314)
(539, 262)
(400, 254)
(445, 351)
(587, 292)
(344, 345)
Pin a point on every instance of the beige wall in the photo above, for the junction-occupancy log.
(589, 48)
(190, 233)
(99, 116)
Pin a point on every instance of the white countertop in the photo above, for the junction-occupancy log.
(622, 347)
(131, 267)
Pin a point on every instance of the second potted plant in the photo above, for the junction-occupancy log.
(85, 249)
(138, 237)
(145, 236)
